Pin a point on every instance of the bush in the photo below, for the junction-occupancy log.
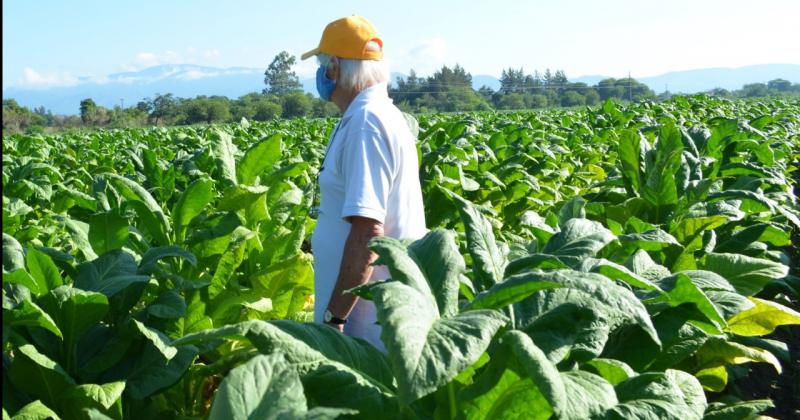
(267, 110)
(296, 104)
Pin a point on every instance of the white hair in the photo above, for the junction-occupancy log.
(358, 74)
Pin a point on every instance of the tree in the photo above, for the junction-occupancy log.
(572, 98)
(753, 90)
(718, 91)
(780, 85)
(536, 100)
(324, 109)
(591, 96)
(267, 110)
(279, 77)
(163, 107)
(512, 80)
(296, 104)
(512, 101)
(486, 92)
(611, 88)
(88, 111)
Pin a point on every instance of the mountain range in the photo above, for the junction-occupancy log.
(187, 80)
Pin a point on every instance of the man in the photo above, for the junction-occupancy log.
(369, 179)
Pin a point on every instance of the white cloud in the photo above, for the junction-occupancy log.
(425, 58)
(191, 55)
(33, 79)
(197, 74)
(211, 54)
(306, 68)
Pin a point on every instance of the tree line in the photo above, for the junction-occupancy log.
(446, 90)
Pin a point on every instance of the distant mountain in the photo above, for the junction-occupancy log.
(186, 80)
(182, 80)
(485, 80)
(700, 80)
(691, 81)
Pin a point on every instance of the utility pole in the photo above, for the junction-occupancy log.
(121, 103)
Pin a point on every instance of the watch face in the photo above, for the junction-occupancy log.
(328, 316)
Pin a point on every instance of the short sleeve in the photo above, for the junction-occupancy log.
(367, 168)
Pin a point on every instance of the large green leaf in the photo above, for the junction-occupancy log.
(92, 396)
(28, 314)
(150, 372)
(672, 394)
(719, 352)
(651, 240)
(153, 255)
(230, 260)
(747, 274)
(540, 261)
(511, 290)
(488, 262)
(43, 269)
(578, 316)
(109, 274)
(37, 375)
(13, 254)
(259, 158)
(190, 203)
(156, 338)
(22, 278)
(616, 272)
(79, 233)
(511, 397)
(223, 150)
(427, 351)
(336, 370)
(74, 311)
(169, 305)
(763, 318)
(287, 284)
(630, 159)
(132, 191)
(680, 289)
(736, 411)
(442, 264)
(572, 395)
(721, 293)
(614, 371)
(263, 388)
(266, 387)
(659, 180)
(578, 239)
(35, 411)
(107, 231)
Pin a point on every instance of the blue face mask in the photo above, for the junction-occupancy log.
(325, 86)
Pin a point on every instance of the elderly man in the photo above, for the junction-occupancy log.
(369, 179)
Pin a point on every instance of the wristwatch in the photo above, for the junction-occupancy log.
(330, 319)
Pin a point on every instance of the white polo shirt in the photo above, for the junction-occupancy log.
(370, 170)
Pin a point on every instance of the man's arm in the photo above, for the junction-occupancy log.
(356, 267)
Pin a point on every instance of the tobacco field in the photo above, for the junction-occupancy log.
(621, 261)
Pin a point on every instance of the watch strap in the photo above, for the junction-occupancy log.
(335, 320)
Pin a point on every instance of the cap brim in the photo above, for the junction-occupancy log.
(311, 53)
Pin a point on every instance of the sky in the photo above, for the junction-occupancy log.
(54, 43)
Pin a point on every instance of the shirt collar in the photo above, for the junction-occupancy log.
(374, 92)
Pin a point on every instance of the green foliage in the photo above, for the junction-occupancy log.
(624, 261)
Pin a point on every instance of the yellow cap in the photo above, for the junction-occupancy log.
(349, 37)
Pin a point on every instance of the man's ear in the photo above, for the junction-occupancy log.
(333, 69)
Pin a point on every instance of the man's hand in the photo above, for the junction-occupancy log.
(356, 267)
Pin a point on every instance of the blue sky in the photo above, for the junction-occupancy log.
(51, 43)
